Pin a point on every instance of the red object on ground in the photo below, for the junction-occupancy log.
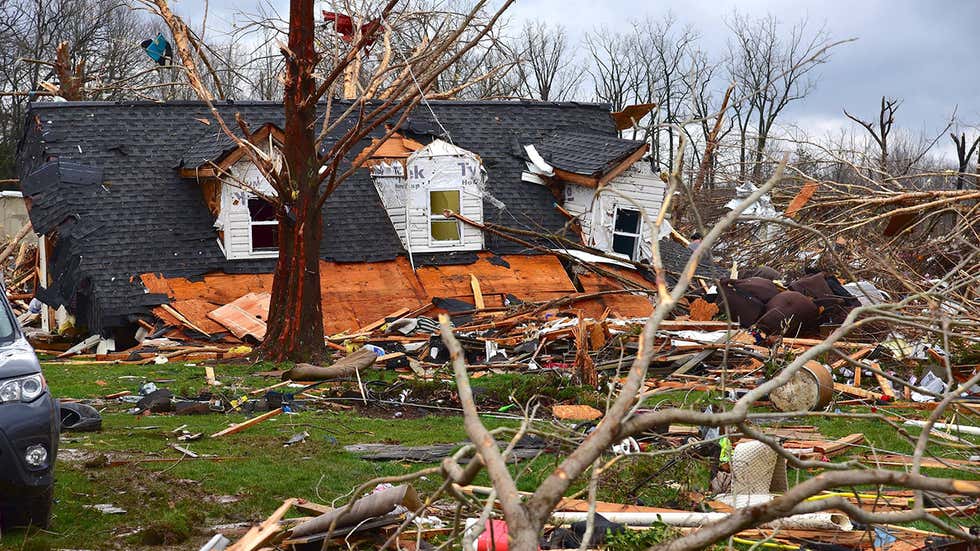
(495, 535)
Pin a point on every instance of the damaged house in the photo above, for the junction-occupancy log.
(142, 217)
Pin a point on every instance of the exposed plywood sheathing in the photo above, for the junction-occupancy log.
(352, 294)
(534, 278)
(624, 304)
(395, 147)
(357, 294)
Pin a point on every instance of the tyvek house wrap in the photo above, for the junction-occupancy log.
(441, 166)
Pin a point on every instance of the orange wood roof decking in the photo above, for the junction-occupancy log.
(355, 294)
(532, 278)
(624, 304)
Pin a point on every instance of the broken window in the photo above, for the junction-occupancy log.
(263, 226)
(441, 228)
(626, 232)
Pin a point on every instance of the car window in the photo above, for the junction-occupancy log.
(8, 324)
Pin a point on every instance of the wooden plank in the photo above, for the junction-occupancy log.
(477, 293)
(271, 387)
(258, 535)
(795, 341)
(311, 507)
(855, 391)
(246, 424)
(885, 384)
(381, 321)
(209, 375)
(854, 357)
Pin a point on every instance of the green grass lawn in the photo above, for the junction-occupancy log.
(177, 504)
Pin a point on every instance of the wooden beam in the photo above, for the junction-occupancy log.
(246, 424)
(198, 173)
(580, 179)
(622, 166)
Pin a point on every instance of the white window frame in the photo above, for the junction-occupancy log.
(638, 236)
(437, 217)
(262, 253)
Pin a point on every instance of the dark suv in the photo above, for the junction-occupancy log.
(29, 427)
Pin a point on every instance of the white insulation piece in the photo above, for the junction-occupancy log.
(810, 521)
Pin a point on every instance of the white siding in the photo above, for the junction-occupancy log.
(233, 217)
(636, 188)
(442, 166)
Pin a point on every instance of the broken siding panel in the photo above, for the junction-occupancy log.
(389, 180)
(579, 201)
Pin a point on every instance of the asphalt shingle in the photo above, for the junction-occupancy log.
(120, 207)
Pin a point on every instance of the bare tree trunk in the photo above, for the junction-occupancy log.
(295, 325)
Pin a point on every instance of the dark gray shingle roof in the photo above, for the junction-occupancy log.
(588, 154)
(145, 218)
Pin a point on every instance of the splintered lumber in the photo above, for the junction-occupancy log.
(885, 384)
(477, 293)
(360, 359)
(311, 507)
(797, 341)
(702, 310)
(258, 535)
(381, 321)
(576, 412)
(823, 448)
(246, 424)
(801, 199)
(15, 241)
(894, 460)
(853, 357)
(855, 391)
(271, 387)
(180, 317)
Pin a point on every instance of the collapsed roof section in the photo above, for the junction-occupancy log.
(583, 158)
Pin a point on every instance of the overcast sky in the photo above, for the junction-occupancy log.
(924, 52)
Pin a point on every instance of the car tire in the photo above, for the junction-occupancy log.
(35, 512)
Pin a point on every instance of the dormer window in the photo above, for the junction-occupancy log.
(419, 184)
(263, 226)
